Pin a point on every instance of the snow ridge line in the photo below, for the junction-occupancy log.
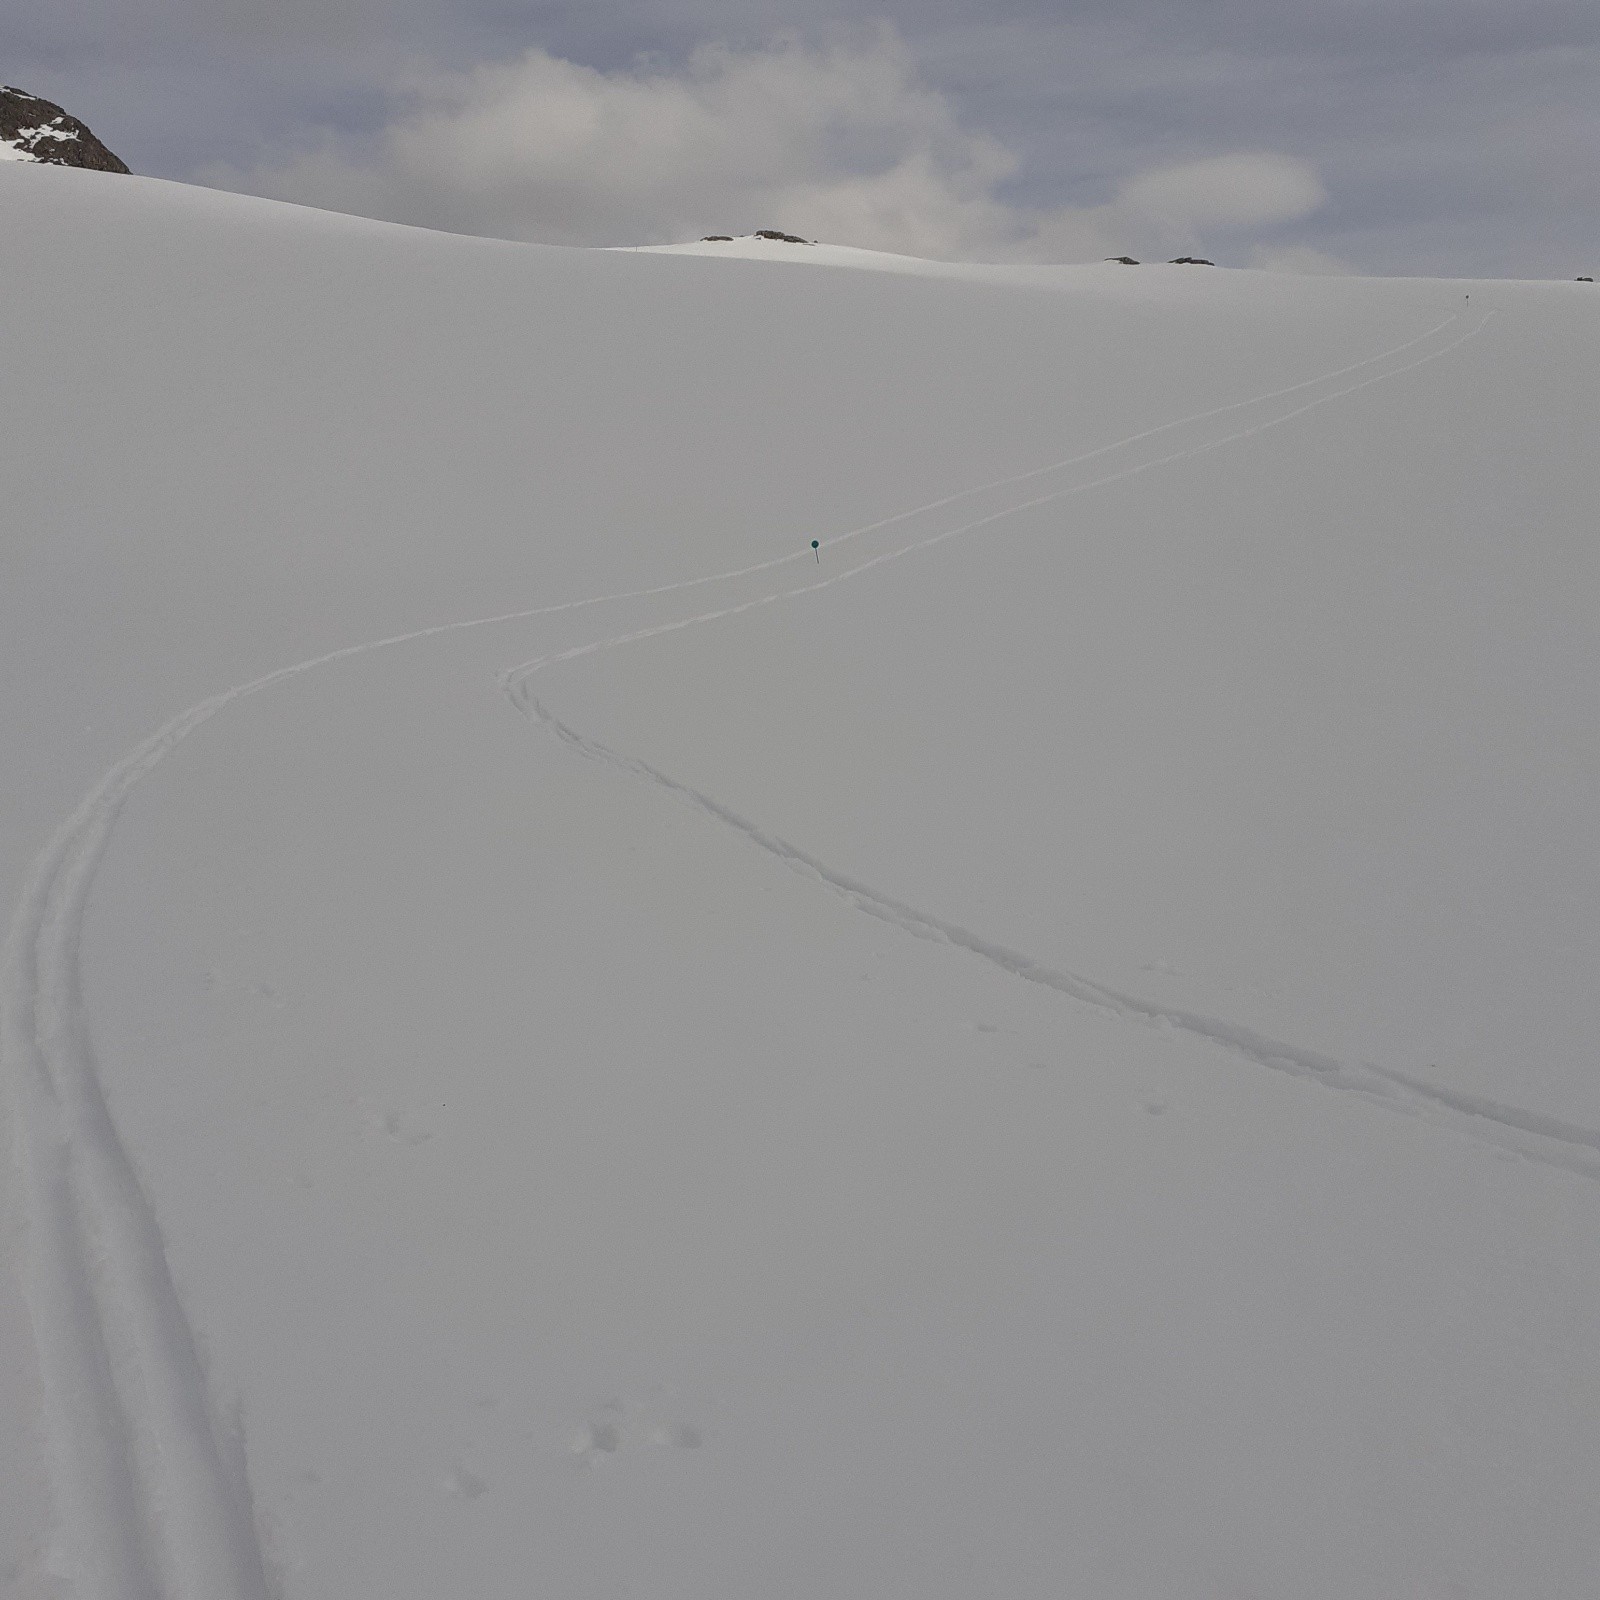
(154, 1504)
(1533, 1135)
(512, 676)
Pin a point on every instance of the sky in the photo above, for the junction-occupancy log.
(1449, 137)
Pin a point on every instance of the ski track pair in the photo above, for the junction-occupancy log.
(152, 1494)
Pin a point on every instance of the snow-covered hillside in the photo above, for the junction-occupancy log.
(558, 1042)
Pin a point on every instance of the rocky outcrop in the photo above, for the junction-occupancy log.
(32, 129)
(760, 233)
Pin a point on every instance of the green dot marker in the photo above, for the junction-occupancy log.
(815, 549)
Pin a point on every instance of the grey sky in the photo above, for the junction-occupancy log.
(1450, 136)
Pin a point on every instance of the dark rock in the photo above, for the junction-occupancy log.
(1190, 261)
(1584, 280)
(44, 132)
(783, 238)
(716, 238)
(1123, 261)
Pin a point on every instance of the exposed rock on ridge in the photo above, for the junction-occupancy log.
(760, 233)
(32, 129)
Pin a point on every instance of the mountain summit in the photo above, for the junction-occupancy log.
(32, 129)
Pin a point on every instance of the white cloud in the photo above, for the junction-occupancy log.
(1299, 258)
(1245, 189)
(844, 142)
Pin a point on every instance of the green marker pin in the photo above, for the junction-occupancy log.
(816, 550)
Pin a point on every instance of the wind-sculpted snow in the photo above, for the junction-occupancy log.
(152, 1490)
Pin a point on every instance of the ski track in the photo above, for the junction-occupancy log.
(152, 1497)
(510, 678)
(1534, 1135)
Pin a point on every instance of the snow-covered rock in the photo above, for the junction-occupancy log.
(32, 129)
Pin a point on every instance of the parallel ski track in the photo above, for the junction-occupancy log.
(152, 1495)
(510, 678)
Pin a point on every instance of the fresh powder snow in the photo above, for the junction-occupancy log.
(559, 1041)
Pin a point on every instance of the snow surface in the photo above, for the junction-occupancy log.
(558, 1043)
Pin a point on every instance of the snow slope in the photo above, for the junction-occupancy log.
(558, 1043)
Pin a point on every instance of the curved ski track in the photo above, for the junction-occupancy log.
(152, 1495)
(1540, 1138)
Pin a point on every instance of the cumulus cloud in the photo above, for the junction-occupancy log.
(843, 141)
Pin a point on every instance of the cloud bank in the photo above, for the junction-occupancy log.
(844, 141)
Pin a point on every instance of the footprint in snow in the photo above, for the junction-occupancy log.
(401, 1127)
(405, 1131)
(462, 1484)
(605, 1437)
(619, 1429)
